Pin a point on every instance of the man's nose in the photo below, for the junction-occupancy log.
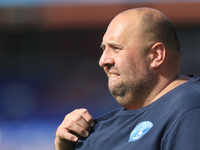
(106, 58)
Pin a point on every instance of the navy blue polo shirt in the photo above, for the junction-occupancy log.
(170, 123)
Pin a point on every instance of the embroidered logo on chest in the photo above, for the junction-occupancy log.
(140, 130)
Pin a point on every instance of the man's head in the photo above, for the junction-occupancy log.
(139, 47)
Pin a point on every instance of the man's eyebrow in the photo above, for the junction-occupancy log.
(112, 44)
(102, 46)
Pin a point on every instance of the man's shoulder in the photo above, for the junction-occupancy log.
(187, 93)
(194, 84)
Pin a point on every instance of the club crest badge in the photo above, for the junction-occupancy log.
(140, 130)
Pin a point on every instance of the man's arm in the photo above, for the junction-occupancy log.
(75, 125)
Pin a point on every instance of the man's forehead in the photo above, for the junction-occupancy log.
(119, 33)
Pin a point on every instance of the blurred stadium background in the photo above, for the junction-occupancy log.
(49, 51)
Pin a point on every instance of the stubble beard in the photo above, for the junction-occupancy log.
(132, 94)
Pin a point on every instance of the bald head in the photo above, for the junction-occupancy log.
(154, 26)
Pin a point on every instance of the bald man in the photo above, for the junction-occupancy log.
(160, 109)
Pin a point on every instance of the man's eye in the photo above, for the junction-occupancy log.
(115, 48)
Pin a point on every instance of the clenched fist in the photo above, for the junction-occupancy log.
(75, 125)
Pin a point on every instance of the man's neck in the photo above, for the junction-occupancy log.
(170, 86)
(162, 87)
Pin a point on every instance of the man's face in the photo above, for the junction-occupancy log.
(125, 61)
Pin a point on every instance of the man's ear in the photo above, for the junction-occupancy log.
(158, 55)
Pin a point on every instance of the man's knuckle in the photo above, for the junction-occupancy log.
(83, 111)
(77, 118)
(68, 124)
(66, 116)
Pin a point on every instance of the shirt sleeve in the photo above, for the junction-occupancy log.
(185, 133)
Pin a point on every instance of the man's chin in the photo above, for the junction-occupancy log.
(117, 91)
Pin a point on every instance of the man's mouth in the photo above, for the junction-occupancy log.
(114, 75)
